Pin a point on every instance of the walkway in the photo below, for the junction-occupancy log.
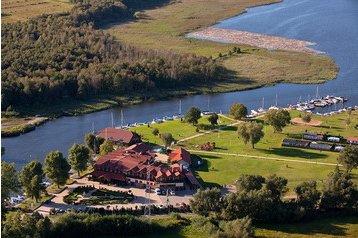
(263, 157)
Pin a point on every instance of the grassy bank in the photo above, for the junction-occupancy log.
(165, 28)
(13, 126)
(21, 10)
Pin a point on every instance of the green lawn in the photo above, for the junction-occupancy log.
(220, 170)
(325, 228)
(227, 140)
(31, 205)
(177, 128)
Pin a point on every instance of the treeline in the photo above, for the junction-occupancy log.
(77, 225)
(261, 199)
(59, 56)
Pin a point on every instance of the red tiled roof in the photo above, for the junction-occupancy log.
(352, 139)
(116, 135)
(113, 176)
(190, 176)
(180, 154)
(139, 147)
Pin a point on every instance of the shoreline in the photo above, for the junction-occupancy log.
(80, 107)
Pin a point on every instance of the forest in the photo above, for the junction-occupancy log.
(60, 56)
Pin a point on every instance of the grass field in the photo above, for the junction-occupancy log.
(177, 128)
(165, 28)
(20, 10)
(222, 169)
(227, 140)
(322, 228)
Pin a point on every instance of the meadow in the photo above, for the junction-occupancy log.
(21, 10)
(165, 27)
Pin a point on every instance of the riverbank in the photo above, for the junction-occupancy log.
(15, 126)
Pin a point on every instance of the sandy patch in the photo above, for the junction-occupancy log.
(255, 39)
(298, 120)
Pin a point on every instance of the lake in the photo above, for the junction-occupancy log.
(331, 24)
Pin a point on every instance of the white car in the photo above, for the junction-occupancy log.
(158, 191)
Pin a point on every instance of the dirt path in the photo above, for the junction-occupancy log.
(264, 157)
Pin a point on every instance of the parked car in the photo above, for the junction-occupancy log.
(158, 191)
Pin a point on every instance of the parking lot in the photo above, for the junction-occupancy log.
(139, 198)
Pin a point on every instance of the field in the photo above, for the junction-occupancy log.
(322, 228)
(220, 169)
(227, 140)
(20, 10)
(177, 128)
(165, 27)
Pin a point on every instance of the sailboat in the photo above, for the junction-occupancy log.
(262, 109)
(274, 107)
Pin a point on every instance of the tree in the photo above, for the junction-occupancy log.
(205, 202)
(277, 186)
(251, 132)
(238, 111)
(155, 131)
(349, 157)
(93, 142)
(57, 168)
(193, 115)
(278, 119)
(241, 228)
(78, 157)
(307, 194)
(9, 181)
(31, 178)
(213, 119)
(339, 191)
(167, 139)
(306, 118)
(106, 147)
(249, 182)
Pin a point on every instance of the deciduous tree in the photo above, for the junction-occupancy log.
(238, 111)
(307, 194)
(57, 168)
(167, 139)
(31, 178)
(249, 182)
(78, 157)
(213, 119)
(205, 202)
(9, 181)
(349, 157)
(251, 132)
(278, 119)
(277, 185)
(193, 115)
(106, 147)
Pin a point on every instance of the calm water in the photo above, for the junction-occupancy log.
(332, 24)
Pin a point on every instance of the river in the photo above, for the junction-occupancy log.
(331, 24)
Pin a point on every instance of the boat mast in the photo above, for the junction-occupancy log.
(263, 102)
(122, 118)
(179, 107)
(112, 119)
(208, 103)
(317, 95)
(93, 128)
(276, 99)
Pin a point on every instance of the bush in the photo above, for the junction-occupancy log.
(155, 131)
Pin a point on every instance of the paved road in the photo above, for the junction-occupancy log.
(263, 157)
